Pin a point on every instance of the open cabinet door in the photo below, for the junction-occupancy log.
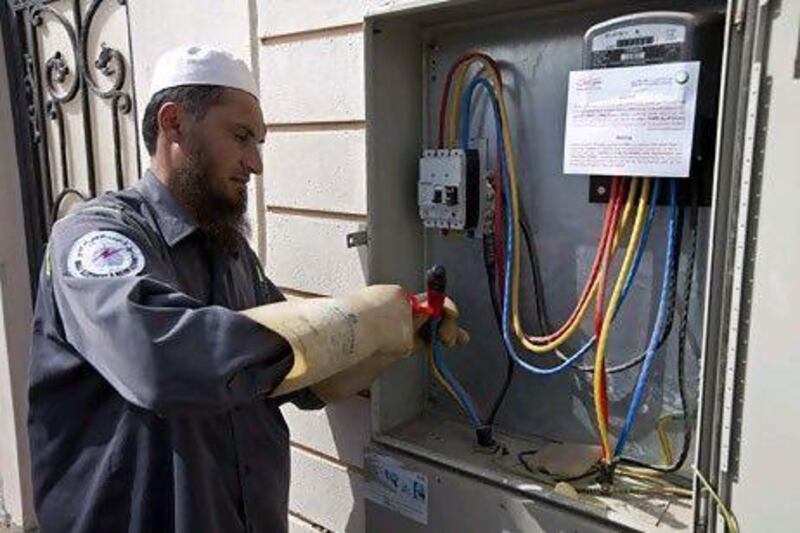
(760, 465)
(747, 434)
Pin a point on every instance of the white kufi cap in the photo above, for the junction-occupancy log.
(201, 65)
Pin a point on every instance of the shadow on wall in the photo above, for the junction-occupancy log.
(328, 490)
(350, 428)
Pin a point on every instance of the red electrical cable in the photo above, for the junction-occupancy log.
(499, 225)
(602, 403)
(619, 190)
(606, 238)
(617, 197)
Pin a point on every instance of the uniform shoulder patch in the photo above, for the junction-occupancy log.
(104, 254)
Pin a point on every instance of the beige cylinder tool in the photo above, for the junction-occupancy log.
(329, 335)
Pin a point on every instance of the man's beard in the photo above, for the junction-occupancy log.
(219, 218)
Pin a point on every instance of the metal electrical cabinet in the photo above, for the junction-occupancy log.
(422, 445)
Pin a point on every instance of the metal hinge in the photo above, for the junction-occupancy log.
(358, 238)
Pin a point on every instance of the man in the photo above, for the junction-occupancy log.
(153, 401)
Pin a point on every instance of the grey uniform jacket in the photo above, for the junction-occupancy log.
(148, 407)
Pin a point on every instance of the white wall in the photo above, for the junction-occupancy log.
(312, 82)
(311, 57)
(15, 319)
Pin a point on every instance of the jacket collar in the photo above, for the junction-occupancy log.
(173, 220)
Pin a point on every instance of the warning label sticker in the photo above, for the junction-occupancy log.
(392, 485)
(631, 121)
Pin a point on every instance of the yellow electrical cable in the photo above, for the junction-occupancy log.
(617, 236)
(652, 480)
(602, 341)
(663, 437)
(458, 87)
(727, 514)
(518, 330)
(443, 382)
(647, 483)
(642, 473)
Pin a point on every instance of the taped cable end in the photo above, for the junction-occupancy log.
(485, 437)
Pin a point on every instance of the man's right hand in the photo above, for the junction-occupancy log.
(357, 335)
(360, 376)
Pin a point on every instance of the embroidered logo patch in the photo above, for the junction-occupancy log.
(104, 254)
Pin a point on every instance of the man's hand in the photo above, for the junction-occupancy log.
(350, 381)
(449, 333)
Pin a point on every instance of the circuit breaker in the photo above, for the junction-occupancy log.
(448, 189)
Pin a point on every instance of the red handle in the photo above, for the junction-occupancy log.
(435, 292)
(435, 303)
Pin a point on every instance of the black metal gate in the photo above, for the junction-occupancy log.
(42, 88)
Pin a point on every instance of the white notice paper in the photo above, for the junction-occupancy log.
(631, 121)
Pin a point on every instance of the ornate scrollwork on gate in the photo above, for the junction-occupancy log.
(70, 76)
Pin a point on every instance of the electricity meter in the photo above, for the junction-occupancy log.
(658, 37)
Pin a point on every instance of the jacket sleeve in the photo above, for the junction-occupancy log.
(161, 349)
(304, 399)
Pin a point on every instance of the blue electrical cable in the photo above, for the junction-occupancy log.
(637, 259)
(438, 360)
(641, 382)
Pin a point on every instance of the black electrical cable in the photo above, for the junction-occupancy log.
(545, 324)
(538, 288)
(491, 274)
(682, 336)
(542, 315)
(536, 273)
(488, 249)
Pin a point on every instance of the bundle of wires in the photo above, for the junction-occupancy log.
(505, 199)
(501, 249)
(612, 230)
